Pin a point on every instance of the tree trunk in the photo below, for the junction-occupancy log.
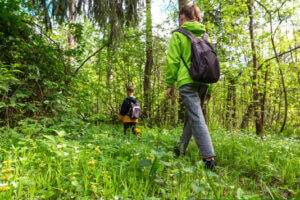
(230, 101)
(263, 99)
(258, 124)
(279, 107)
(247, 116)
(70, 36)
(149, 61)
(282, 80)
(233, 114)
(278, 62)
(181, 111)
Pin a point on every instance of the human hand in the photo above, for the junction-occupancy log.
(119, 117)
(170, 92)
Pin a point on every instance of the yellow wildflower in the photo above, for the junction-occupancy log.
(97, 148)
(5, 178)
(66, 191)
(92, 162)
(94, 187)
(91, 169)
(42, 165)
(7, 163)
(4, 188)
(152, 156)
(137, 130)
(7, 170)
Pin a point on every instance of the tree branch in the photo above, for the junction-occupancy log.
(279, 55)
(93, 54)
(280, 19)
(41, 29)
(262, 5)
(55, 43)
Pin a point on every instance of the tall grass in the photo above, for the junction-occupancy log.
(82, 161)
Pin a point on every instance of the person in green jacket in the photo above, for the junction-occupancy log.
(192, 93)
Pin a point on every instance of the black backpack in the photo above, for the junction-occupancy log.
(135, 111)
(205, 65)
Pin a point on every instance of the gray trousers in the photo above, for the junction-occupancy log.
(193, 96)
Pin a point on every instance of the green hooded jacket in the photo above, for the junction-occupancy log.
(181, 45)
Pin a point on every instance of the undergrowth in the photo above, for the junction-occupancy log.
(77, 160)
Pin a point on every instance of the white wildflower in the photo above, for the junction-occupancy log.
(137, 154)
(59, 146)
(22, 159)
(64, 145)
(14, 184)
(66, 153)
(74, 157)
(75, 147)
(232, 186)
(3, 184)
(89, 144)
(116, 197)
(77, 151)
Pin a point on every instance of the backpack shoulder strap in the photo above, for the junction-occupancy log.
(205, 37)
(185, 32)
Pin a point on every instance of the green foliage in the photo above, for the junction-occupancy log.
(56, 145)
(32, 73)
(113, 14)
(60, 160)
(37, 67)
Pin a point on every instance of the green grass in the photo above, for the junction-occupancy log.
(75, 160)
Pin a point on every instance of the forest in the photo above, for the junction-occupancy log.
(64, 69)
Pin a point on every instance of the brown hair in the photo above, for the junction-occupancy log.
(191, 12)
(130, 89)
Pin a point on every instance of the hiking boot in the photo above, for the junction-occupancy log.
(210, 165)
(176, 151)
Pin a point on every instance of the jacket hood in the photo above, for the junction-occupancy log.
(132, 99)
(196, 28)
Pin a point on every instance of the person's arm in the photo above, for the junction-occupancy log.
(209, 92)
(173, 59)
